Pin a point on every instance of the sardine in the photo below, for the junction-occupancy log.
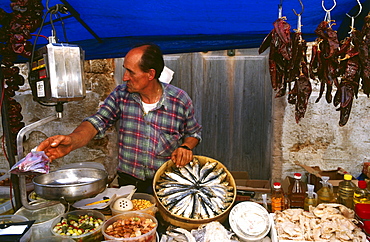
(179, 205)
(216, 180)
(212, 175)
(206, 169)
(168, 184)
(189, 209)
(196, 207)
(207, 191)
(175, 198)
(178, 178)
(170, 190)
(210, 212)
(217, 202)
(184, 204)
(188, 174)
(203, 209)
(208, 202)
(196, 168)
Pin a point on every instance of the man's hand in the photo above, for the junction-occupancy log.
(182, 156)
(60, 145)
(56, 146)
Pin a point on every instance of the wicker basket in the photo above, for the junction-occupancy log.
(187, 223)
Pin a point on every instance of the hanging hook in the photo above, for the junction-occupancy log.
(359, 11)
(280, 6)
(353, 17)
(298, 14)
(327, 15)
(299, 24)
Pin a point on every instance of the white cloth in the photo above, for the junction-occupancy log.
(166, 75)
(149, 106)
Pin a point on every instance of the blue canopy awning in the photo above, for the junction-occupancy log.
(186, 26)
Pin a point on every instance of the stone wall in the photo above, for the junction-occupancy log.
(100, 81)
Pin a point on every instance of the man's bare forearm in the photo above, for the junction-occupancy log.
(82, 135)
(191, 142)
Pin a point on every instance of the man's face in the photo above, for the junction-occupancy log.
(136, 79)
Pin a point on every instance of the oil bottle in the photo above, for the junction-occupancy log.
(277, 198)
(361, 194)
(297, 192)
(325, 194)
(311, 198)
(346, 190)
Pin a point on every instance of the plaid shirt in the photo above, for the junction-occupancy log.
(146, 141)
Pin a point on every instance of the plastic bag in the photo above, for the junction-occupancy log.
(34, 162)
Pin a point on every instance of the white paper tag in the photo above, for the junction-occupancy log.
(40, 89)
(13, 230)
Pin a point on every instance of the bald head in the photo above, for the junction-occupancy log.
(151, 58)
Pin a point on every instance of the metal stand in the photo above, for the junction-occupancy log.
(22, 178)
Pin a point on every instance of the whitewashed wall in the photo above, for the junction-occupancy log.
(318, 140)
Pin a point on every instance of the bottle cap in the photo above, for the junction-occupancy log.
(297, 175)
(277, 185)
(362, 184)
(347, 177)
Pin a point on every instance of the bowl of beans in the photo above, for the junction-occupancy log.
(79, 225)
(142, 202)
(132, 226)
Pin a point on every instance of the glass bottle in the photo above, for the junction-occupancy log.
(277, 198)
(311, 198)
(264, 202)
(361, 194)
(297, 192)
(325, 194)
(346, 190)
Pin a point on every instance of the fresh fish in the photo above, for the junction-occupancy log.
(178, 178)
(219, 188)
(176, 197)
(168, 184)
(170, 190)
(217, 202)
(195, 191)
(188, 174)
(228, 200)
(206, 169)
(216, 180)
(203, 209)
(212, 175)
(210, 212)
(207, 191)
(189, 209)
(208, 202)
(184, 204)
(165, 178)
(223, 187)
(175, 207)
(196, 207)
(196, 168)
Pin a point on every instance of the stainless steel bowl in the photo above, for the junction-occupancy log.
(71, 184)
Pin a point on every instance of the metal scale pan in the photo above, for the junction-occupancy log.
(71, 185)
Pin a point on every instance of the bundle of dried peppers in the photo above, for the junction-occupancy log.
(343, 65)
(15, 33)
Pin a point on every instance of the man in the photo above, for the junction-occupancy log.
(156, 122)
